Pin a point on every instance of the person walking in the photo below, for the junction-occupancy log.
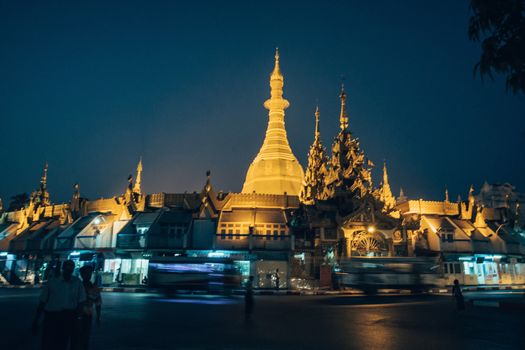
(82, 332)
(60, 302)
(277, 280)
(248, 299)
(458, 295)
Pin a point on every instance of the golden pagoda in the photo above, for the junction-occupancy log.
(275, 170)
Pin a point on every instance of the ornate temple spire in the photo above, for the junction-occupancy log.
(41, 196)
(317, 130)
(446, 194)
(43, 180)
(343, 116)
(471, 198)
(275, 169)
(276, 73)
(385, 192)
(385, 175)
(402, 197)
(313, 184)
(137, 187)
(349, 171)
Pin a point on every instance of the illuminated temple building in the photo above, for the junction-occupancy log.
(299, 225)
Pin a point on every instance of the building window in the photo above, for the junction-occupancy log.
(457, 268)
(445, 268)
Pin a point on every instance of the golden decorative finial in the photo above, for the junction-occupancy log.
(343, 117)
(44, 176)
(317, 114)
(276, 74)
(137, 186)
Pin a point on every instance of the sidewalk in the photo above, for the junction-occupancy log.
(444, 290)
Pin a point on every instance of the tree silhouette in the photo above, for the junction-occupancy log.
(18, 201)
(500, 26)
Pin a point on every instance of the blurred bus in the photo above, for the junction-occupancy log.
(183, 273)
(372, 273)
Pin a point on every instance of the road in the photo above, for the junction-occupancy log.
(146, 321)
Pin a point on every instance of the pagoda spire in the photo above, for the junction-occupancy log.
(43, 180)
(137, 187)
(317, 130)
(385, 174)
(343, 116)
(313, 184)
(349, 174)
(275, 169)
(385, 192)
(402, 197)
(41, 196)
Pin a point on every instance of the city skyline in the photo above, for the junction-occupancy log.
(93, 101)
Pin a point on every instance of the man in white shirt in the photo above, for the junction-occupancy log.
(60, 301)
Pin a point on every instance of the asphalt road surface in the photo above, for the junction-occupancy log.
(146, 321)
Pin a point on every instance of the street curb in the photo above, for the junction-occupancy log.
(448, 290)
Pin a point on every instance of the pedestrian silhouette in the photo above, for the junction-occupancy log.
(83, 325)
(277, 279)
(458, 295)
(61, 300)
(248, 299)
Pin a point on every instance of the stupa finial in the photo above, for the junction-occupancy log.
(343, 117)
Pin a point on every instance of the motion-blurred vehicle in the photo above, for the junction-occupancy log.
(372, 273)
(172, 274)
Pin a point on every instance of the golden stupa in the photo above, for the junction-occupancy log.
(275, 170)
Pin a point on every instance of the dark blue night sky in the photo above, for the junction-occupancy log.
(92, 86)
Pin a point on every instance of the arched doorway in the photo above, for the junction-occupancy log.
(365, 243)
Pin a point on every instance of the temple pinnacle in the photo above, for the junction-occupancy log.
(275, 169)
(137, 187)
(317, 114)
(276, 73)
(343, 117)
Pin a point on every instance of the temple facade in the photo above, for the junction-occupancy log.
(298, 228)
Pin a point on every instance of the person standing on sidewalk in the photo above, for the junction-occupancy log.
(60, 301)
(248, 299)
(458, 295)
(277, 280)
(82, 332)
